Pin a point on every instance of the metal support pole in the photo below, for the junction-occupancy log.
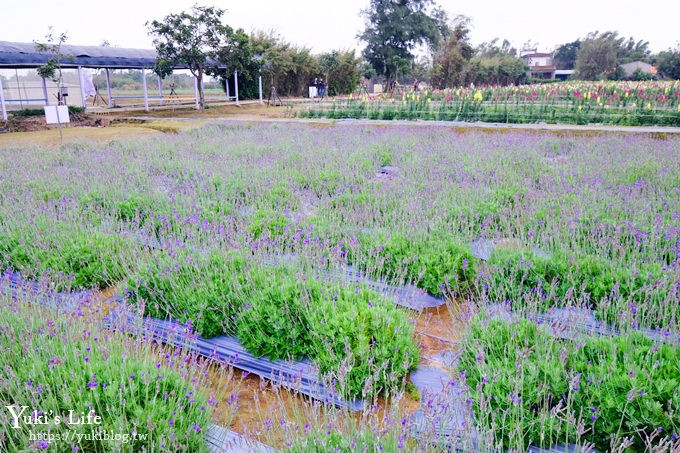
(83, 99)
(236, 85)
(2, 101)
(160, 90)
(146, 92)
(21, 100)
(108, 88)
(226, 86)
(259, 85)
(44, 87)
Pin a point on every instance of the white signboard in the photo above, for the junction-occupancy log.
(51, 114)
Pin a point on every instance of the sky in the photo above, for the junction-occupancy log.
(324, 25)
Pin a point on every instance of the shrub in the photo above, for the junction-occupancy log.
(280, 314)
(60, 364)
(75, 259)
(72, 109)
(530, 388)
(436, 264)
(611, 290)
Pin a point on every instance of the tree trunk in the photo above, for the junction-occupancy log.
(201, 96)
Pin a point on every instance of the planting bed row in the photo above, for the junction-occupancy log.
(301, 376)
(529, 387)
(623, 103)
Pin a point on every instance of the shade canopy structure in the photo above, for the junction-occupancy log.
(15, 55)
(18, 55)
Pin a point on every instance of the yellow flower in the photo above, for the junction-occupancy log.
(429, 100)
(678, 107)
(478, 96)
(649, 106)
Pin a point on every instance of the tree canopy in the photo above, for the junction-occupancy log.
(668, 63)
(565, 55)
(601, 54)
(195, 39)
(394, 28)
(451, 57)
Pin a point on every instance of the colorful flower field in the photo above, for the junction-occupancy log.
(556, 258)
(617, 103)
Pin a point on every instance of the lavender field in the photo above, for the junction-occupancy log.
(554, 258)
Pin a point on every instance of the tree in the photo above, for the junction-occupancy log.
(496, 64)
(393, 30)
(193, 39)
(341, 71)
(329, 62)
(289, 68)
(450, 59)
(596, 57)
(52, 68)
(565, 55)
(237, 54)
(668, 63)
(632, 50)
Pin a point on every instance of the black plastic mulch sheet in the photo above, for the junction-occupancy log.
(221, 440)
(301, 376)
(444, 416)
(570, 322)
(407, 296)
(13, 284)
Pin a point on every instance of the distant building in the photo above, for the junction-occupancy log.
(630, 68)
(542, 66)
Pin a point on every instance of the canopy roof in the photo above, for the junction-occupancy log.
(24, 55)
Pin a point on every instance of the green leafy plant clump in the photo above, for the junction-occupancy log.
(72, 109)
(560, 280)
(75, 259)
(62, 371)
(530, 388)
(437, 265)
(280, 314)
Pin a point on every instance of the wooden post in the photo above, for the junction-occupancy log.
(108, 88)
(146, 93)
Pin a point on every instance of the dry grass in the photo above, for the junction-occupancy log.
(122, 127)
(50, 138)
